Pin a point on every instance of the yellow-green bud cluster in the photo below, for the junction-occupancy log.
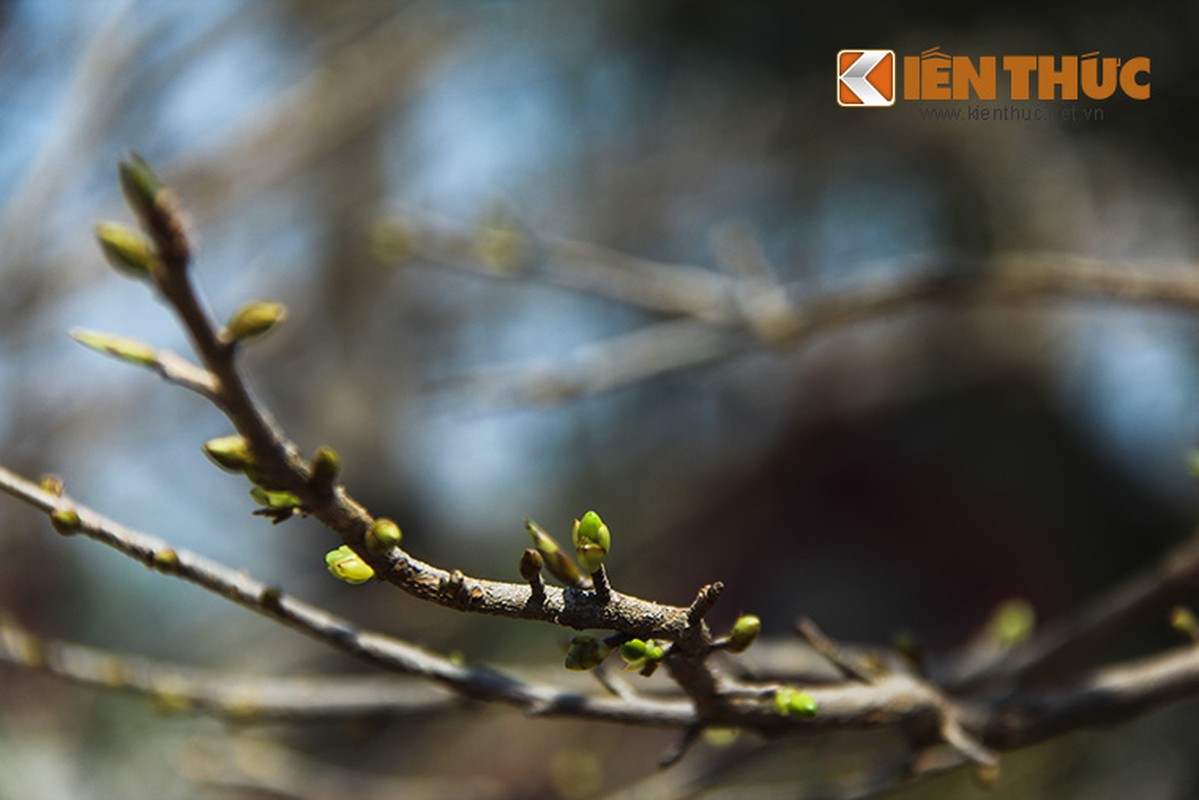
(346, 565)
(642, 654)
(790, 702)
(592, 541)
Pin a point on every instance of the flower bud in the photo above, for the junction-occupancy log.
(1182, 619)
(66, 521)
(326, 464)
(254, 319)
(556, 560)
(166, 560)
(1013, 622)
(346, 565)
(745, 633)
(383, 535)
(592, 541)
(531, 563)
(140, 186)
(126, 250)
(279, 501)
(586, 652)
(642, 655)
(501, 247)
(51, 484)
(633, 653)
(130, 350)
(790, 702)
(231, 453)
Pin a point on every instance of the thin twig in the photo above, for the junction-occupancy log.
(849, 666)
(1150, 592)
(237, 697)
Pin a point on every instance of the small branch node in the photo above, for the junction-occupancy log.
(703, 602)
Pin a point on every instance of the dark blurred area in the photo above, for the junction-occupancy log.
(906, 473)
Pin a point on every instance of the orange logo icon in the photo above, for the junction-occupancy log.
(866, 77)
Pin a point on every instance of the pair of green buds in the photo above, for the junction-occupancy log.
(592, 541)
(133, 254)
(232, 453)
(346, 565)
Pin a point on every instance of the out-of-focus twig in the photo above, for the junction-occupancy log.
(1150, 592)
(242, 698)
(723, 315)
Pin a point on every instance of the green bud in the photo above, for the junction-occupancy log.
(556, 560)
(1013, 622)
(531, 563)
(276, 500)
(642, 655)
(254, 319)
(66, 521)
(383, 535)
(790, 702)
(140, 186)
(126, 250)
(1182, 619)
(501, 247)
(346, 565)
(633, 652)
(230, 453)
(592, 541)
(586, 652)
(326, 464)
(985, 775)
(745, 633)
(51, 484)
(130, 350)
(166, 560)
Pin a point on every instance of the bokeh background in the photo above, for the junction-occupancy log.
(907, 473)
